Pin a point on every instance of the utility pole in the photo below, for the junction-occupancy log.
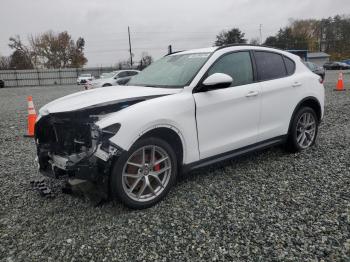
(130, 47)
(321, 36)
(260, 28)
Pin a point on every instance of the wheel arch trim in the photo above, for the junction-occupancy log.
(309, 98)
(166, 126)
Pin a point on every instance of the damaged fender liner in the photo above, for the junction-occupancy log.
(69, 143)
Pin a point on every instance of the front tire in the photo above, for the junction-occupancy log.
(303, 130)
(144, 175)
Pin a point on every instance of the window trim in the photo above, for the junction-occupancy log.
(199, 86)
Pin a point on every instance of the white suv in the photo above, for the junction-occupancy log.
(83, 78)
(187, 110)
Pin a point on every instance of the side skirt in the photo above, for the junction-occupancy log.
(234, 153)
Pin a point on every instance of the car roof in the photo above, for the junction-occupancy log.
(123, 70)
(237, 47)
(196, 51)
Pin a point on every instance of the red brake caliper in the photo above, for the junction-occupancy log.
(157, 167)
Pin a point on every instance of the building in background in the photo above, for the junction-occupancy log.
(318, 58)
(301, 53)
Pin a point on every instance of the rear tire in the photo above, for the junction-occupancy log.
(106, 85)
(303, 130)
(144, 175)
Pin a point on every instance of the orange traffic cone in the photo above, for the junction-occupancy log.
(31, 118)
(340, 84)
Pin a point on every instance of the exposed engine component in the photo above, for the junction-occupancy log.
(70, 143)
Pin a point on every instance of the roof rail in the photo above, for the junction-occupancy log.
(174, 53)
(230, 45)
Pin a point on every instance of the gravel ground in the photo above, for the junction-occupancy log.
(267, 206)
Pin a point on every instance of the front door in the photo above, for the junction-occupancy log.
(228, 118)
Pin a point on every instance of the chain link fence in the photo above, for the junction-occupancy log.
(47, 77)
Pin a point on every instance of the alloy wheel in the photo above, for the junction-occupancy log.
(146, 173)
(306, 130)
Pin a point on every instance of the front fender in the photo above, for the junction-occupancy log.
(176, 112)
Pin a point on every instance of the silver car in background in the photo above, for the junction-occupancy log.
(120, 77)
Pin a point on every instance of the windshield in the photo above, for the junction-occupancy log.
(171, 71)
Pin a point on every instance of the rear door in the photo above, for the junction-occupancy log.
(279, 93)
(228, 118)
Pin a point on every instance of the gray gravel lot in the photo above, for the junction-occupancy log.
(267, 206)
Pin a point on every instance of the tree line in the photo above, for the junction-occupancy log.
(47, 50)
(330, 35)
(60, 50)
(54, 50)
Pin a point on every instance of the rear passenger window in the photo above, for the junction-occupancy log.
(237, 65)
(290, 66)
(269, 65)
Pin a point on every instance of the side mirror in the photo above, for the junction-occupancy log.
(217, 81)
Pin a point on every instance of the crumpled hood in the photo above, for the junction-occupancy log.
(95, 97)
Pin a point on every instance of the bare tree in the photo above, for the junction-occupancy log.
(125, 64)
(52, 50)
(145, 61)
(48, 50)
(21, 57)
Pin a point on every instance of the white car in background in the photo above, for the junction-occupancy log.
(120, 77)
(184, 111)
(106, 75)
(84, 78)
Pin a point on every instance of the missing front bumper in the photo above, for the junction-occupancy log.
(87, 165)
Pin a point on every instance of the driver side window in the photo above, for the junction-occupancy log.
(237, 65)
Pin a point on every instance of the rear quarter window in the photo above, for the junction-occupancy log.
(290, 65)
(269, 65)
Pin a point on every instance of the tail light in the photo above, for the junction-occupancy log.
(321, 80)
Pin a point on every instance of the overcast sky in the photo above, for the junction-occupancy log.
(154, 24)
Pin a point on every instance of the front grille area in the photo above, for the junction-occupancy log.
(64, 136)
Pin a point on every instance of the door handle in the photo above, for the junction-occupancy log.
(252, 93)
(296, 84)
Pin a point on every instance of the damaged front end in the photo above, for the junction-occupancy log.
(70, 143)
